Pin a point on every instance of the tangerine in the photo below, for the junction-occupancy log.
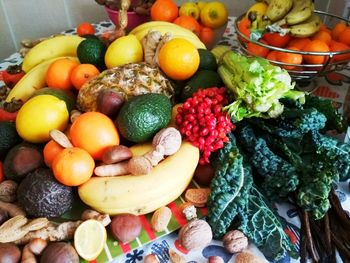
(337, 30)
(272, 55)
(94, 132)
(85, 29)
(189, 23)
(290, 58)
(58, 73)
(83, 73)
(164, 10)
(345, 36)
(323, 36)
(51, 150)
(179, 59)
(323, 27)
(258, 50)
(299, 43)
(207, 36)
(316, 46)
(73, 166)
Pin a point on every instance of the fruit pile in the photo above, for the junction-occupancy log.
(293, 25)
(201, 18)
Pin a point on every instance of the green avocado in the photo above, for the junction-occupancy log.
(92, 51)
(201, 80)
(8, 137)
(41, 195)
(144, 115)
(207, 60)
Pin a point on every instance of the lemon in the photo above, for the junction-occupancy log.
(123, 50)
(39, 115)
(201, 4)
(89, 239)
(260, 8)
(214, 14)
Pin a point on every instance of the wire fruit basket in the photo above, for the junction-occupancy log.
(303, 72)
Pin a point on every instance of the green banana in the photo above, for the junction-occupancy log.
(277, 9)
(306, 29)
(300, 12)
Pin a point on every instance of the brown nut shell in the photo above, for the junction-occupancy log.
(197, 196)
(247, 257)
(195, 234)
(235, 241)
(126, 228)
(161, 218)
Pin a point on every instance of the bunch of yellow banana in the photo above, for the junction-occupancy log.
(33, 80)
(166, 27)
(297, 14)
(59, 46)
(142, 194)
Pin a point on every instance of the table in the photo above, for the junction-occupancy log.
(336, 86)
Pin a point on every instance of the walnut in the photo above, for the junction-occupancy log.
(235, 241)
(195, 234)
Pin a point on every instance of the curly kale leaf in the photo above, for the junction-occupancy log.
(229, 188)
(314, 190)
(334, 153)
(265, 229)
(293, 123)
(335, 120)
(279, 177)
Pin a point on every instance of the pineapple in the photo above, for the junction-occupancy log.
(129, 80)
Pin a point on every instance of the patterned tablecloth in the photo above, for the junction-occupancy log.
(335, 86)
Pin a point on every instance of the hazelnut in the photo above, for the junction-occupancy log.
(161, 218)
(151, 258)
(195, 234)
(175, 257)
(235, 241)
(215, 259)
(126, 228)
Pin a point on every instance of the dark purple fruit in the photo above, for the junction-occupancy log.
(109, 102)
(204, 174)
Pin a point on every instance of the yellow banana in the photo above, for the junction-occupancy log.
(306, 29)
(33, 80)
(142, 194)
(58, 46)
(151, 24)
(301, 11)
(277, 9)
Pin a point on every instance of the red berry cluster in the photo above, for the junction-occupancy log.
(202, 122)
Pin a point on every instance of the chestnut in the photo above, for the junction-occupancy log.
(59, 252)
(204, 174)
(9, 253)
(126, 228)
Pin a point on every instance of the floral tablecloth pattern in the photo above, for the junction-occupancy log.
(335, 86)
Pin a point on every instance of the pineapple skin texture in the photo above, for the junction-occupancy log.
(129, 80)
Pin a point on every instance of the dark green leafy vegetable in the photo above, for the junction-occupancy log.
(230, 188)
(265, 228)
(334, 119)
(279, 177)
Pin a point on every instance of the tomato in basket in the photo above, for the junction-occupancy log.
(337, 46)
(244, 27)
(257, 50)
(276, 40)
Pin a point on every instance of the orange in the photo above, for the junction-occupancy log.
(316, 46)
(337, 30)
(207, 36)
(345, 36)
(58, 73)
(323, 27)
(337, 46)
(323, 36)
(290, 58)
(85, 29)
(179, 59)
(94, 132)
(73, 166)
(272, 55)
(164, 10)
(83, 73)
(276, 40)
(51, 150)
(189, 23)
(257, 50)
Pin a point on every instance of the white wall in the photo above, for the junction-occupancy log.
(32, 19)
